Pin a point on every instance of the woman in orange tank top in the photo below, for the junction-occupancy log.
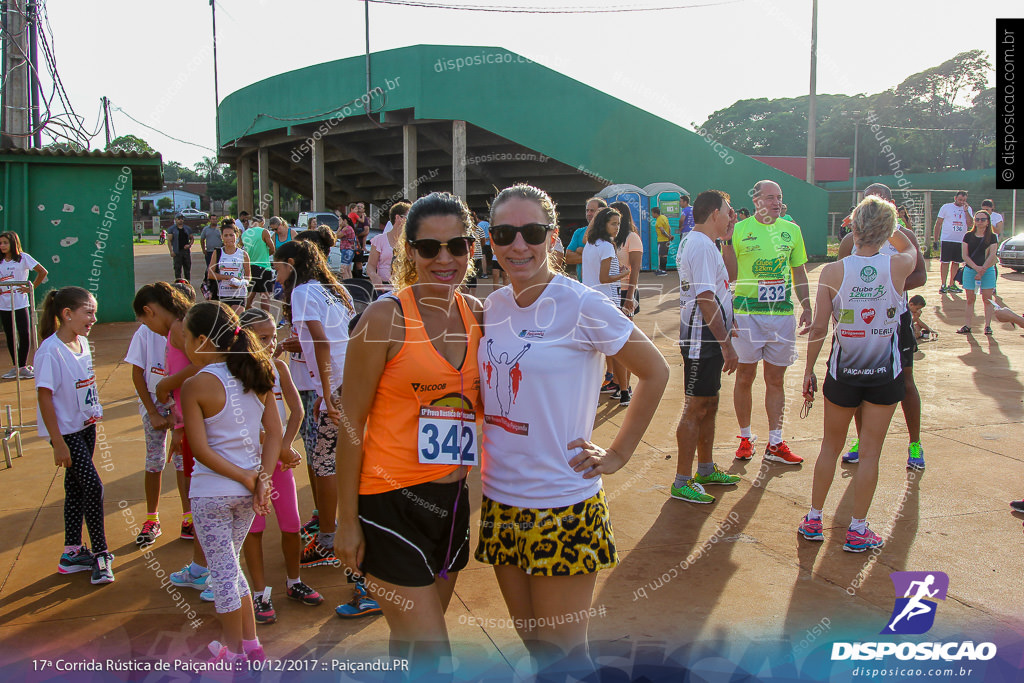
(409, 432)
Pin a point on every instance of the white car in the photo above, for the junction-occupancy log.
(1011, 253)
(193, 213)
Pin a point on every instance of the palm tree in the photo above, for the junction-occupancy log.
(209, 166)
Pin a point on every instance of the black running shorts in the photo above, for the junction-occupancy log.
(851, 396)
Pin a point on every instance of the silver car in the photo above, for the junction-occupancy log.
(1011, 253)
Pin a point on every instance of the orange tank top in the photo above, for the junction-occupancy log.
(424, 409)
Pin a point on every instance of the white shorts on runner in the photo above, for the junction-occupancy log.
(771, 338)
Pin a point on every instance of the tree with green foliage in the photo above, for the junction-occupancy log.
(130, 143)
(939, 119)
(165, 204)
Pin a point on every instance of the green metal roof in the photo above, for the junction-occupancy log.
(535, 106)
(147, 168)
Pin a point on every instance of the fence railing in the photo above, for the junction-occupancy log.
(9, 430)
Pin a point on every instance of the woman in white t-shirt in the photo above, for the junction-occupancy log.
(602, 271)
(16, 265)
(320, 308)
(629, 249)
(601, 268)
(67, 412)
(544, 518)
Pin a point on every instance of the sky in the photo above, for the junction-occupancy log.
(154, 59)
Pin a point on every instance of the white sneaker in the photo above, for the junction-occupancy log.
(10, 374)
(27, 373)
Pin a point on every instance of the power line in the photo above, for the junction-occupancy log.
(881, 125)
(156, 130)
(520, 9)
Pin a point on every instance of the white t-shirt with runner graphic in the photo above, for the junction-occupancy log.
(15, 271)
(954, 222)
(148, 350)
(540, 377)
(70, 377)
(312, 301)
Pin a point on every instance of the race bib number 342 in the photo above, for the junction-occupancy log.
(770, 291)
(447, 436)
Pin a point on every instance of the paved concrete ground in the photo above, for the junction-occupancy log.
(749, 577)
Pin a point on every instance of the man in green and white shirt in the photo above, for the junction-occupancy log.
(767, 264)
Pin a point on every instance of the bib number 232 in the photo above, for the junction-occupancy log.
(770, 291)
(447, 436)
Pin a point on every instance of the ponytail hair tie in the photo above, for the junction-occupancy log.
(238, 330)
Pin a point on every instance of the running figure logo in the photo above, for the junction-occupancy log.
(507, 376)
(916, 595)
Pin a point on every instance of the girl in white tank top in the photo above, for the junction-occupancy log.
(232, 394)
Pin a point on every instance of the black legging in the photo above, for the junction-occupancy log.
(21, 320)
(83, 492)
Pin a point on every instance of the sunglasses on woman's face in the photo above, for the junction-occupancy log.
(428, 248)
(533, 233)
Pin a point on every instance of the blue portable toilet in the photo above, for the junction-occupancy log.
(640, 211)
(665, 196)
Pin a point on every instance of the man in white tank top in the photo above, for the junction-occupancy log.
(908, 342)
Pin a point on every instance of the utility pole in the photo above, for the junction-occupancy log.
(366, 13)
(812, 112)
(106, 118)
(216, 93)
(856, 129)
(35, 87)
(16, 104)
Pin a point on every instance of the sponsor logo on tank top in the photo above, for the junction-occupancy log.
(890, 312)
(868, 273)
(867, 292)
(867, 315)
(853, 334)
(420, 387)
(885, 331)
(846, 316)
(531, 334)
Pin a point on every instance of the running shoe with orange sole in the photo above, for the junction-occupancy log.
(780, 453)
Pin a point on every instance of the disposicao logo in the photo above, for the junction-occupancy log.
(917, 596)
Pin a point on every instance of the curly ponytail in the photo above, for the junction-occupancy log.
(245, 356)
(56, 301)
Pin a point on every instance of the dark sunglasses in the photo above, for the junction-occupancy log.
(428, 248)
(533, 233)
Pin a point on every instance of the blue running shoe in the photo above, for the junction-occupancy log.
(915, 459)
(853, 455)
(361, 605)
(186, 579)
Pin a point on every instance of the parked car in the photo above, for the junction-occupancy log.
(193, 213)
(328, 218)
(1011, 253)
